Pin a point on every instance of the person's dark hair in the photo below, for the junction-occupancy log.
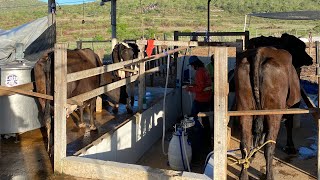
(197, 64)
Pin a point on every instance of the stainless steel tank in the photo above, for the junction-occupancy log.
(18, 113)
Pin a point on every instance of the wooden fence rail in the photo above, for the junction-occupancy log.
(112, 67)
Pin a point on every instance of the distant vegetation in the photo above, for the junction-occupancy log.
(154, 18)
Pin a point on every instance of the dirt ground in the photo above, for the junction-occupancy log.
(285, 167)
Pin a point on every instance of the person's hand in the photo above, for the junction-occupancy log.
(184, 86)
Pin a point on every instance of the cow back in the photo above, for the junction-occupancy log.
(77, 60)
(292, 44)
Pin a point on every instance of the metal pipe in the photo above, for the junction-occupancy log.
(114, 22)
(208, 15)
(51, 16)
(208, 30)
(318, 78)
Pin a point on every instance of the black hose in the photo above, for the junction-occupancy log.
(181, 80)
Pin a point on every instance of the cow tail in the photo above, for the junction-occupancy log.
(258, 122)
(49, 73)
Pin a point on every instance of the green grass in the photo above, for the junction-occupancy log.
(135, 21)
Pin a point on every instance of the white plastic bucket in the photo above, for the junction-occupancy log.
(176, 152)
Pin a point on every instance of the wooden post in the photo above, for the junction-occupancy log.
(221, 110)
(60, 104)
(100, 53)
(142, 84)
(79, 44)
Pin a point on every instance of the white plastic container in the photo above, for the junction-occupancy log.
(176, 152)
(208, 171)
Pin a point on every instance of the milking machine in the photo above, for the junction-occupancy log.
(179, 151)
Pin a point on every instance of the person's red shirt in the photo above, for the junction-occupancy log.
(202, 81)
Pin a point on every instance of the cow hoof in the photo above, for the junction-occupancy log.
(82, 125)
(290, 150)
(93, 128)
(115, 110)
(129, 111)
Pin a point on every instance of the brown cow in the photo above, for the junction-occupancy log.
(300, 58)
(77, 60)
(265, 79)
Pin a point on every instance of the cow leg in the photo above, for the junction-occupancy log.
(131, 94)
(48, 127)
(246, 142)
(128, 106)
(129, 98)
(91, 110)
(289, 148)
(115, 108)
(82, 124)
(48, 121)
(273, 122)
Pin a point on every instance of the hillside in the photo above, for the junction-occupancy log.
(157, 17)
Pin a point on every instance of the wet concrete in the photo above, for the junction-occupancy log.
(26, 156)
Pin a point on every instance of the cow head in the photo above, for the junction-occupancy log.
(135, 49)
(297, 49)
(124, 52)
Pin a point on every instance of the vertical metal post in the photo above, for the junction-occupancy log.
(220, 112)
(60, 104)
(246, 39)
(208, 30)
(318, 77)
(175, 55)
(51, 16)
(114, 22)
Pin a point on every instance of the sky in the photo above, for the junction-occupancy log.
(69, 2)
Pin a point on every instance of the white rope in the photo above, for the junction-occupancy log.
(185, 150)
(164, 104)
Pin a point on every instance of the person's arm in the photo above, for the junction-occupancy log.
(199, 83)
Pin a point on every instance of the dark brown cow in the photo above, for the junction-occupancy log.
(299, 58)
(266, 78)
(77, 60)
